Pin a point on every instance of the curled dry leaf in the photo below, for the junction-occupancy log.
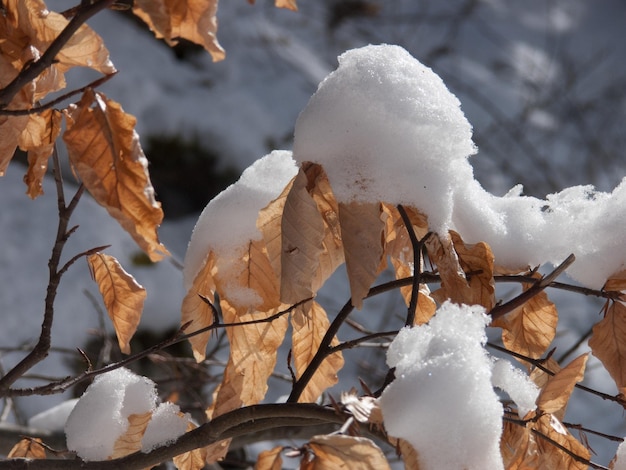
(407, 452)
(364, 409)
(454, 286)
(192, 460)
(38, 140)
(270, 459)
(122, 295)
(530, 329)
(549, 455)
(515, 445)
(556, 393)
(310, 322)
(196, 312)
(104, 150)
(339, 451)
(617, 283)
(28, 448)
(608, 343)
(362, 227)
(193, 20)
(289, 4)
(130, 441)
(478, 259)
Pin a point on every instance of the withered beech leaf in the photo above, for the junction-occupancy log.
(330, 452)
(530, 329)
(454, 285)
(302, 235)
(38, 140)
(362, 228)
(617, 282)
(130, 441)
(104, 150)
(608, 343)
(515, 444)
(28, 448)
(558, 389)
(289, 4)
(409, 455)
(364, 409)
(479, 259)
(549, 455)
(196, 312)
(122, 295)
(539, 376)
(192, 460)
(253, 350)
(193, 20)
(332, 255)
(310, 322)
(270, 459)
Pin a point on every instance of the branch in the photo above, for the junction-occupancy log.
(33, 69)
(236, 423)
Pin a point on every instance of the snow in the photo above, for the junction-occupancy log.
(101, 415)
(385, 128)
(517, 384)
(620, 457)
(228, 222)
(167, 424)
(53, 419)
(442, 397)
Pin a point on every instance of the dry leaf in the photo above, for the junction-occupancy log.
(454, 286)
(550, 456)
(310, 323)
(28, 448)
(289, 4)
(529, 329)
(38, 140)
(477, 258)
(335, 451)
(608, 343)
(172, 20)
(192, 460)
(539, 377)
(130, 441)
(409, 455)
(514, 447)
(364, 409)
(617, 283)
(104, 150)
(362, 227)
(302, 230)
(196, 310)
(122, 295)
(558, 389)
(270, 459)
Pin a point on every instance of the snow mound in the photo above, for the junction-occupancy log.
(101, 415)
(442, 401)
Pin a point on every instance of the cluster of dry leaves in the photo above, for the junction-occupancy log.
(307, 234)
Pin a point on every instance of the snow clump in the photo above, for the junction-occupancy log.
(442, 400)
(101, 415)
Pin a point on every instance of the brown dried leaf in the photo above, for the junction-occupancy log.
(530, 329)
(38, 140)
(558, 389)
(409, 455)
(617, 282)
(289, 4)
(362, 228)
(197, 311)
(172, 20)
(331, 452)
(130, 441)
(550, 456)
(477, 258)
(104, 150)
(539, 377)
(192, 460)
(332, 255)
(11, 127)
(122, 295)
(608, 343)
(454, 285)
(364, 409)
(310, 322)
(302, 231)
(28, 448)
(515, 447)
(270, 459)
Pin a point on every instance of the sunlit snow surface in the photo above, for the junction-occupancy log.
(442, 400)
